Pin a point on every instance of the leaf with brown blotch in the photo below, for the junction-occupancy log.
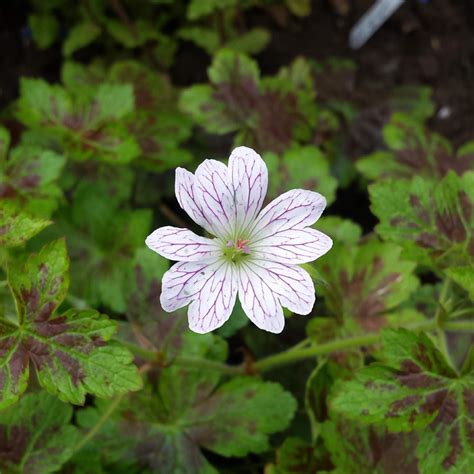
(432, 220)
(269, 114)
(36, 435)
(414, 150)
(364, 283)
(71, 353)
(183, 409)
(415, 389)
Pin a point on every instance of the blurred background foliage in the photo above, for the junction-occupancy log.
(101, 100)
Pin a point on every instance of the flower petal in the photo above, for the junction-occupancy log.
(216, 299)
(292, 284)
(295, 209)
(182, 282)
(210, 287)
(185, 190)
(249, 177)
(292, 246)
(258, 300)
(215, 197)
(182, 244)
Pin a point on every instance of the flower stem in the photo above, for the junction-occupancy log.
(291, 355)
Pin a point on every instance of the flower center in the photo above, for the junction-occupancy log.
(236, 250)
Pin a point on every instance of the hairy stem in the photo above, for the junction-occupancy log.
(289, 356)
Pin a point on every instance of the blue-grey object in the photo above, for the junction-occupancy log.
(372, 20)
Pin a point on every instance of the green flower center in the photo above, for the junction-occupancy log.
(236, 251)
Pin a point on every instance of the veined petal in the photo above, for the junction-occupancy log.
(249, 177)
(292, 284)
(210, 287)
(291, 246)
(216, 300)
(183, 282)
(215, 197)
(295, 209)
(185, 190)
(258, 300)
(182, 244)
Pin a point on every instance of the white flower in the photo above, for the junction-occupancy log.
(254, 253)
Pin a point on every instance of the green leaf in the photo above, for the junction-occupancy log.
(343, 231)
(433, 221)
(70, 352)
(368, 450)
(200, 8)
(268, 114)
(205, 38)
(233, 419)
(157, 125)
(364, 283)
(106, 241)
(299, 8)
(413, 150)
(28, 177)
(37, 435)
(16, 227)
(4, 143)
(464, 277)
(81, 35)
(295, 456)
(86, 124)
(44, 29)
(415, 389)
(301, 167)
(134, 34)
(253, 41)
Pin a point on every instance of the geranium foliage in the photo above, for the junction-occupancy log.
(227, 247)
(415, 388)
(69, 352)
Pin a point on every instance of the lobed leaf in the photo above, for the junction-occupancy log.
(364, 282)
(416, 389)
(70, 353)
(413, 150)
(433, 221)
(163, 427)
(16, 227)
(86, 127)
(301, 167)
(237, 100)
(108, 244)
(36, 436)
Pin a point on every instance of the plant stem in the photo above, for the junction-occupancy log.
(204, 364)
(440, 311)
(461, 312)
(100, 422)
(289, 356)
(459, 326)
(115, 402)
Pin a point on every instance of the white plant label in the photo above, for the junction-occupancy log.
(373, 19)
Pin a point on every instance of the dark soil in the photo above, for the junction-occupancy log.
(429, 42)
